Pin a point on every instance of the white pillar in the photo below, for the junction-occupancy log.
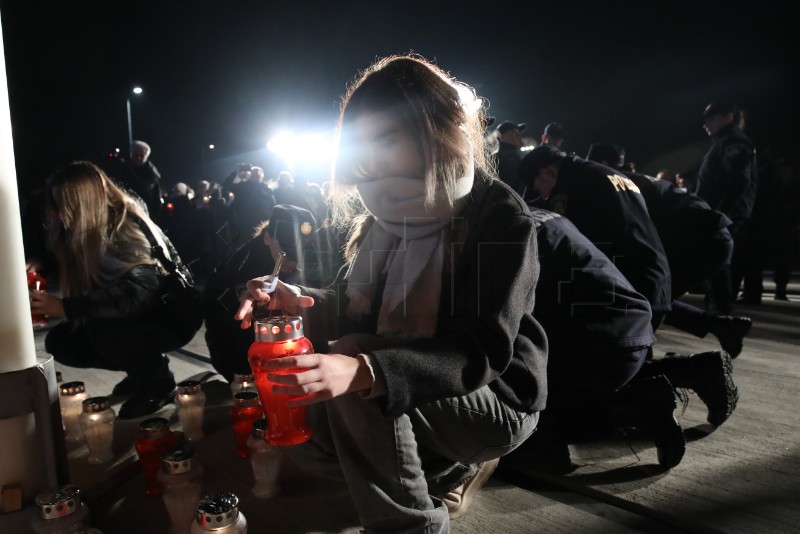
(19, 453)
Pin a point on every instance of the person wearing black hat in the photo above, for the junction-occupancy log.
(608, 208)
(553, 135)
(509, 154)
(290, 229)
(727, 181)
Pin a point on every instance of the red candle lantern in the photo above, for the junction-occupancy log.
(246, 409)
(154, 439)
(277, 337)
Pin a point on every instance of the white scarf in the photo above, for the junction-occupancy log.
(407, 244)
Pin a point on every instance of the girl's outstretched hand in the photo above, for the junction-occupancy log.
(285, 297)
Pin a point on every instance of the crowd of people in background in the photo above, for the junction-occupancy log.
(638, 243)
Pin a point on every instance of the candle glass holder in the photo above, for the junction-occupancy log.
(70, 397)
(276, 337)
(37, 283)
(219, 513)
(190, 404)
(242, 382)
(265, 460)
(154, 439)
(181, 476)
(246, 409)
(59, 511)
(97, 423)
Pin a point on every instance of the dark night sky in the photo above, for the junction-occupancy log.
(232, 73)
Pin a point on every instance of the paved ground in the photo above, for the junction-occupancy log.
(743, 477)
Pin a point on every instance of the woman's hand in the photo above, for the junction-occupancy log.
(44, 303)
(285, 297)
(323, 377)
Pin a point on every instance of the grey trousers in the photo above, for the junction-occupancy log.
(395, 466)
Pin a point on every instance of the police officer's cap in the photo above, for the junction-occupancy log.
(554, 130)
(721, 107)
(505, 126)
(536, 159)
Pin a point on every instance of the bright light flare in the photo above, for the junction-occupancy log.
(137, 90)
(306, 147)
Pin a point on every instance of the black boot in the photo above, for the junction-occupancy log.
(649, 405)
(156, 390)
(709, 374)
(730, 330)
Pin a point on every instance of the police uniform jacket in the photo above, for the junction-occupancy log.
(609, 209)
(728, 174)
(679, 216)
(598, 326)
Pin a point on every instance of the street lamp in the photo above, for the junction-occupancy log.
(136, 91)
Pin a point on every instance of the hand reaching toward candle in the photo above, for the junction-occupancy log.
(285, 297)
(324, 376)
(46, 304)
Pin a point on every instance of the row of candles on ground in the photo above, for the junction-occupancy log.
(62, 511)
(173, 469)
(91, 419)
(173, 472)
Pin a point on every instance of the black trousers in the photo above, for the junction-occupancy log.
(135, 346)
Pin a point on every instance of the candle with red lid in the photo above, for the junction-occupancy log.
(246, 409)
(155, 438)
(277, 337)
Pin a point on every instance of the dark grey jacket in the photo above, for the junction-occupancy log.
(486, 331)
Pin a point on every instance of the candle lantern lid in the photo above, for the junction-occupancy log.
(279, 328)
(189, 387)
(68, 389)
(245, 398)
(259, 428)
(95, 404)
(178, 460)
(218, 510)
(60, 502)
(155, 427)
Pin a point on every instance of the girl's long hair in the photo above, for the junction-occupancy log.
(446, 115)
(92, 228)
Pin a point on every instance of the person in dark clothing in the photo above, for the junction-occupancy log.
(599, 336)
(251, 205)
(727, 181)
(140, 176)
(553, 135)
(697, 243)
(440, 367)
(289, 229)
(509, 154)
(112, 288)
(608, 208)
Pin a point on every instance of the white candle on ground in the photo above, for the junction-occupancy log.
(20, 457)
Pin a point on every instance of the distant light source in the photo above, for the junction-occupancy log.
(211, 147)
(137, 90)
(116, 150)
(308, 147)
